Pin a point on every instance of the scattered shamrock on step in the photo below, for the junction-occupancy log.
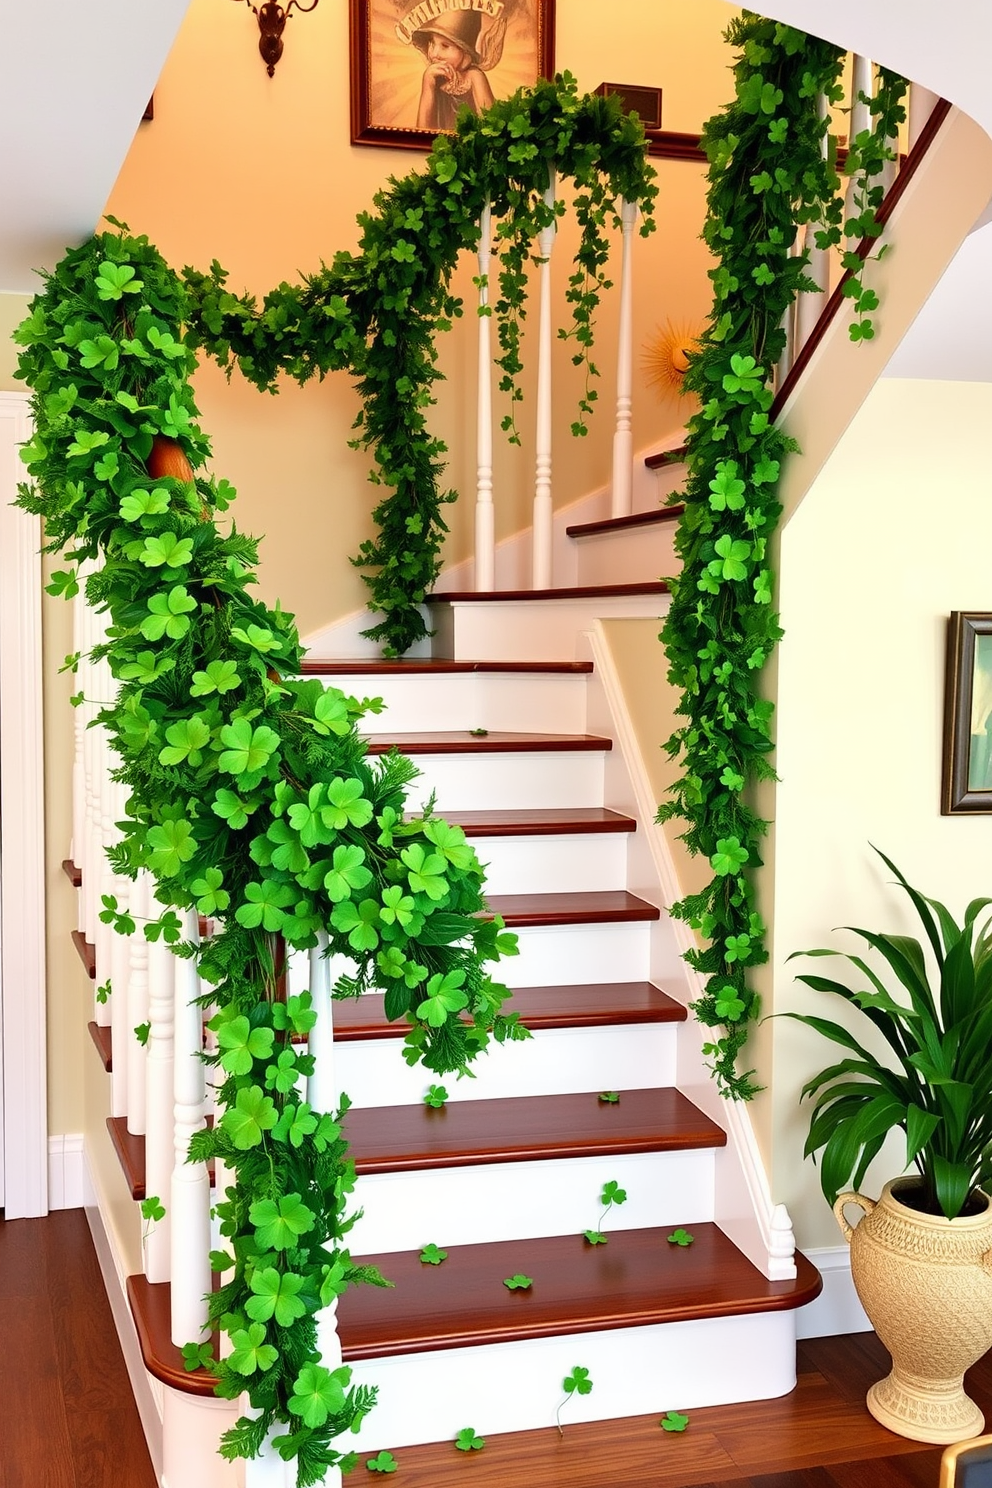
(383, 1462)
(518, 1283)
(610, 1097)
(467, 1441)
(436, 1097)
(576, 1383)
(612, 1194)
(680, 1237)
(431, 1256)
(673, 1421)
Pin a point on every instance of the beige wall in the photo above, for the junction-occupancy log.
(259, 173)
(894, 534)
(13, 309)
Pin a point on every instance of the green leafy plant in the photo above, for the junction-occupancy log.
(610, 1097)
(935, 1081)
(432, 1256)
(867, 155)
(612, 1194)
(575, 1383)
(673, 1421)
(383, 1462)
(769, 177)
(152, 1211)
(250, 794)
(197, 1356)
(468, 1441)
(436, 1097)
(377, 313)
(518, 1283)
(680, 1237)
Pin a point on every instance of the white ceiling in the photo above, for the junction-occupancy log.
(75, 76)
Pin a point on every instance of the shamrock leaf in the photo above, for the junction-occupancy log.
(146, 667)
(282, 1076)
(242, 1045)
(230, 808)
(726, 487)
(295, 1124)
(431, 1256)
(166, 550)
(296, 1014)
(266, 905)
(197, 1356)
(347, 873)
(331, 714)
(397, 908)
(212, 898)
(250, 1351)
(220, 676)
(144, 504)
(745, 375)
(518, 1283)
(594, 1237)
(610, 1097)
(451, 843)
(673, 1421)
(317, 1394)
(186, 741)
(613, 1193)
(113, 281)
(436, 1097)
(346, 806)
(444, 996)
(247, 751)
(358, 922)
(732, 560)
(168, 615)
(276, 1295)
(152, 1209)
(102, 352)
(384, 1462)
(729, 857)
(284, 850)
(467, 1441)
(252, 1114)
(578, 1382)
(425, 872)
(258, 638)
(278, 1224)
(171, 845)
(680, 1237)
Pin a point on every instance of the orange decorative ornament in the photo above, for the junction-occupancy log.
(167, 459)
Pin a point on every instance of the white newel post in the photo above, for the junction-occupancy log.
(623, 437)
(190, 1181)
(133, 1050)
(543, 510)
(921, 106)
(485, 528)
(160, 1148)
(323, 1095)
(860, 116)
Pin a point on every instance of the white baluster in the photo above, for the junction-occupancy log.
(860, 119)
(137, 1006)
(159, 1100)
(323, 1095)
(921, 106)
(485, 527)
(809, 302)
(543, 510)
(90, 866)
(190, 1181)
(120, 975)
(623, 437)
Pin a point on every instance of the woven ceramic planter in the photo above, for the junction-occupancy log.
(926, 1284)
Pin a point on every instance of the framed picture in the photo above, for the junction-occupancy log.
(967, 773)
(415, 63)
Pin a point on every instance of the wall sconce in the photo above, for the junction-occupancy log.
(272, 20)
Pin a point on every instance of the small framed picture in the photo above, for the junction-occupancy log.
(416, 63)
(967, 772)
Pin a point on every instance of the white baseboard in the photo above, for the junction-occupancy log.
(837, 1308)
(147, 1392)
(66, 1171)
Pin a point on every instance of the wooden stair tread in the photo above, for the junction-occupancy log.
(469, 1133)
(87, 952)
(584, 1006)
(130, 1154)
(540, 821)
(104, 1044)
(619, 524)
(579, 591)
(72, 873)
(151, 1304)
(600, 906)
(635, 1279)
(430, 665)
(495, 741)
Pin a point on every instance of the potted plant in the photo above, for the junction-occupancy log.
(921, 1257)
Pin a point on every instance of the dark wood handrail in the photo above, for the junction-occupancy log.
(928, 134)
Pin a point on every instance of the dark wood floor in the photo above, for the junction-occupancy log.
(68, 1419)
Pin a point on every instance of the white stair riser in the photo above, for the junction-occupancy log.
(523, 780)
(526, 1200)
(562, 863)
(554, 1061)
(540, 702)
(556, 955)
(518, 1386)
(529, 630)
(629, 555)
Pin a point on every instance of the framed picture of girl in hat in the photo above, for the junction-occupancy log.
(416, 63)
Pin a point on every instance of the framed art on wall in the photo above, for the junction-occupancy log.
(967, 768)
(415, 63)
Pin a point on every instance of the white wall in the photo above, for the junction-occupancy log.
(895, 532)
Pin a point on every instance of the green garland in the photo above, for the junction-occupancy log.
(769, 174)
(251, 798)
(377, 313)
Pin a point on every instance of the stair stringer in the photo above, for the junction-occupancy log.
(744, 1207)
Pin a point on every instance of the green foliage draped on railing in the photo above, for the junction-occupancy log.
(770, 173)
(377, 313)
